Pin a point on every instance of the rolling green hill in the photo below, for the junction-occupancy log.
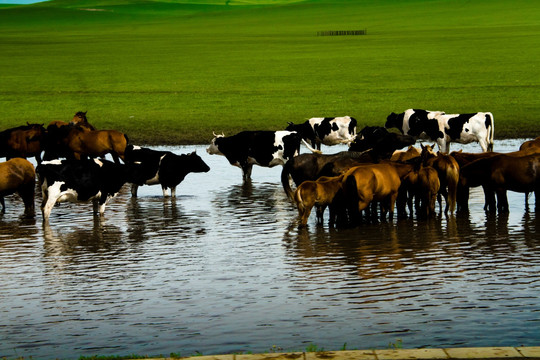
(174, 71)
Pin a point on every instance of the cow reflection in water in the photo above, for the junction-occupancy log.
(67, 247)
(251, 204)
(158, 217)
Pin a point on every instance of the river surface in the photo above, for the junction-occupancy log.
(222, 268)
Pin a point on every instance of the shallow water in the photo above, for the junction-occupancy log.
(223, 268)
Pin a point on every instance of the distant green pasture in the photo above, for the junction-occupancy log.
(172, 72)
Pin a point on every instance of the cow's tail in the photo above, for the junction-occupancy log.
(315, 151)
(285, 180)
(491, 131)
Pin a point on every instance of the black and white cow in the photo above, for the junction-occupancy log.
(466, 128)
(443, 128)
(420, 124)
(150, 167)
(80, 181)
(263, 148)
(327, 131)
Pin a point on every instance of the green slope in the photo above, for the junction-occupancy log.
(173, 71)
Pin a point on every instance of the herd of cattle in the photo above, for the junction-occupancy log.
(375, 173)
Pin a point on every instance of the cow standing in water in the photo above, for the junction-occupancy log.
(263, 148)
(328, 131)
(150, 167)
(80, 181)
(443, 128)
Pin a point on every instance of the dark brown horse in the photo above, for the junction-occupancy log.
(23, 141)
(18, 176)
(73, 141)
(501, 173)
(464, 158)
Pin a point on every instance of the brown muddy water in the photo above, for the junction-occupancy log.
(223, 268)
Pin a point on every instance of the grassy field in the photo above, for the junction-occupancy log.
(171, 72)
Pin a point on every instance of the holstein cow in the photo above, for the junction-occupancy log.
(466, 128)
(263, 148)
(444, 129)
(327, 131)
(80, 181)
(150, 167)
(420, 124)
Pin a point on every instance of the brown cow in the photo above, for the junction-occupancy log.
(319, 193)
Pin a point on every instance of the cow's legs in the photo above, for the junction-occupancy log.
(246, 170)
(165, 191)
(173, 191)
(134, 188)
(50, 195)
(47, 206)
(102, 202)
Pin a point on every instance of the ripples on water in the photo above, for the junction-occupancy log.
(223, 268)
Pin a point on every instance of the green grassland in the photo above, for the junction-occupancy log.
(171, 72)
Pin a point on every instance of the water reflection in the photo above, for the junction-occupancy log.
(224, 268)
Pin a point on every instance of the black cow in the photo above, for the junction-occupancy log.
(263, 148)
(381, 141)
(327, 131)
(80, 181)
(150, 167)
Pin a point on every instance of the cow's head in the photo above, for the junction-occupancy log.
(395, 121)
(196, 164)
(290, 126)
(213, 149)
